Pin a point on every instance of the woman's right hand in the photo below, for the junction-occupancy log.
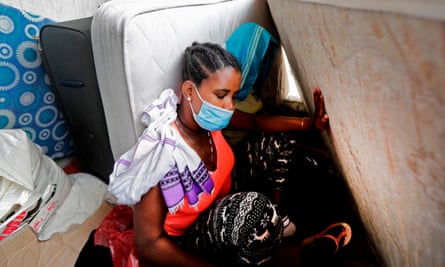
(320, 119)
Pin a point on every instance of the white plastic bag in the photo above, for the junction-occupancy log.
(32, 185)
(15, 203)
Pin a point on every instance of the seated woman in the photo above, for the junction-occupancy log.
(174, 185)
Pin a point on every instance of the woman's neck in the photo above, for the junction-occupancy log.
(200, 140)
(188, 128)
(185, 118)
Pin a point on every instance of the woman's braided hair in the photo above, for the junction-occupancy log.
(203, 59)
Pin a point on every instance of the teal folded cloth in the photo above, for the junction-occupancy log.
(255, 48)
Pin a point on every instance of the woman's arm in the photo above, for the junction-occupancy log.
(151, 245)
(265, 123)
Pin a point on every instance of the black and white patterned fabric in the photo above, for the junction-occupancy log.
(244, 228)
(266, 162)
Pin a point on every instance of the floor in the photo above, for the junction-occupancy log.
(24, 249)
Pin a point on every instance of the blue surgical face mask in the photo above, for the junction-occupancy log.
(211, 117)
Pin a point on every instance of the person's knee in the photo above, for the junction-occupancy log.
(252, 217)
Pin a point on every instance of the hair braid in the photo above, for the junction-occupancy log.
(203, 59)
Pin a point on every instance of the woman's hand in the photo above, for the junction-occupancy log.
(320, 119)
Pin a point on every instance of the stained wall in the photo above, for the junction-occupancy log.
(383, 76)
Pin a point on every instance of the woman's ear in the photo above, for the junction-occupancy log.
(187, 89)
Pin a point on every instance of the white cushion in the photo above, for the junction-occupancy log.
(138, 48)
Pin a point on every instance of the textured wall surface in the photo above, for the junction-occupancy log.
(57, 10)
(383, 77)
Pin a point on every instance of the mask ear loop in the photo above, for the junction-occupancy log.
(189, 99)
(197, 92)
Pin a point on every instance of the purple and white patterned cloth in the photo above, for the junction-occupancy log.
(176, 185)
(159, 149)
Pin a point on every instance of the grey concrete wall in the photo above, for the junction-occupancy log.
(383, 77)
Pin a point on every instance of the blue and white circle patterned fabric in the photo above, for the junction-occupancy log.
(27, 100)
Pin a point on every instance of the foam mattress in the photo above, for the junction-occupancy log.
(138, 47)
